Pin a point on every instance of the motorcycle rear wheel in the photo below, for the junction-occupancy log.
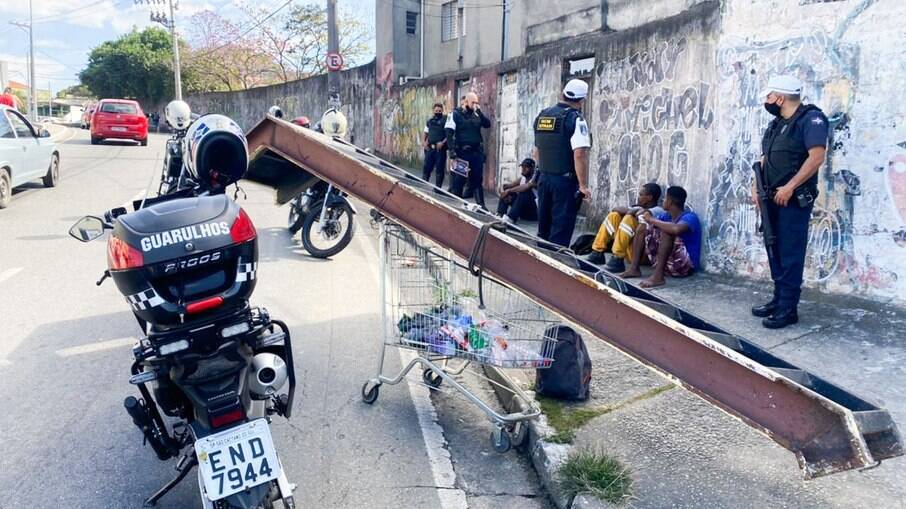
(337, 215)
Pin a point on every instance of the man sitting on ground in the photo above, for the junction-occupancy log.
(672, 241)
(519, 195)
(618, 229)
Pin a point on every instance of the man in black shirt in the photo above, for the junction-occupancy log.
(464, 141)
(435, 144)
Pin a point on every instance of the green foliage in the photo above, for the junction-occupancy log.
(593, 472)
(566, 421)
(80, 90)
(137, 65)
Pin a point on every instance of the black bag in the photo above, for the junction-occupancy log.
(569, 377)
(583, 243)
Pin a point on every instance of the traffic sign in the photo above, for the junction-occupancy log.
(334, 61)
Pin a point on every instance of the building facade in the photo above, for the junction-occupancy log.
(674, 99)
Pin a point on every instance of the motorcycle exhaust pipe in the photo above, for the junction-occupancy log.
(143, 421)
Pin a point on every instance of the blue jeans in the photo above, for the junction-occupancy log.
(788, 263)
(557, 207)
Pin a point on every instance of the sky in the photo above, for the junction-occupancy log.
(65, 31)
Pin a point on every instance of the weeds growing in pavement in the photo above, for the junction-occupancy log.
(593, 472)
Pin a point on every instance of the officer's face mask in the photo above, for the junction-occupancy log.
(438, 114)
(773, 108)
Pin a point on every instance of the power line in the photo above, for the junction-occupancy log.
(61, 15)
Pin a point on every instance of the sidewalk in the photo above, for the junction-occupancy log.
(686, 453)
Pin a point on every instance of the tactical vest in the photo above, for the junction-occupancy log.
(468, 130)
(555, 152)
(436, 132)
(784, 150)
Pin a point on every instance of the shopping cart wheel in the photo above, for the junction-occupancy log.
(431, 378)
(519, 433)
(500, 439)
(370, 395)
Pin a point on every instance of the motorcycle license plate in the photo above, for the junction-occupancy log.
(118, 129)
(237, 459)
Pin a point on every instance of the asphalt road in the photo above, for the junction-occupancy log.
(65, 440)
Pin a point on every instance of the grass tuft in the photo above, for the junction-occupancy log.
(593, 472)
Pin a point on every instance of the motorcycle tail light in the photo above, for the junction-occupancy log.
(242, 229)
(218, 421)
(122, 256)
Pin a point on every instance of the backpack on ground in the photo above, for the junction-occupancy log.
(583, 243)
(569, 377)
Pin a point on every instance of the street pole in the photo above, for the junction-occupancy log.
(31, 65)
(333, 46)
(176, 69)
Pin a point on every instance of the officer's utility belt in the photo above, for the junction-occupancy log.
(469, 148)
(803, 196)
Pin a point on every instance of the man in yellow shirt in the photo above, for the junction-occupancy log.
(618, 229)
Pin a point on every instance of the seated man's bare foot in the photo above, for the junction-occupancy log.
(629, 274)
(652, 283)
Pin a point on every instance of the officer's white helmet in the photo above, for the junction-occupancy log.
(275, 111)
(178, 115)
(334, 123)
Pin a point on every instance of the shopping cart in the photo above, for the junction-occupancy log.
(433, 304)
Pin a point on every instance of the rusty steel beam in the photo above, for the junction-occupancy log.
(827, 428)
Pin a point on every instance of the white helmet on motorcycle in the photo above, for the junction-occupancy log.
(275, 111)
(334, 123)
(178, 115)
(216, 152)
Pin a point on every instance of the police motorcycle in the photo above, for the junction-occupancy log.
(178, 116)
(210, 369)
(323, 212)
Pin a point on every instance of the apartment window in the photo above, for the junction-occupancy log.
(411, 22)
(450, 16)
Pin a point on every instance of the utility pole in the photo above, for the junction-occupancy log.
(158, 15)
(333, 46)
(31, 56)
(32, 97)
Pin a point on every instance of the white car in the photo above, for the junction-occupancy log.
(26, 153)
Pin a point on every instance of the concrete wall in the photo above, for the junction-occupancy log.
(303, 97)
(851, 57)
(674, 99)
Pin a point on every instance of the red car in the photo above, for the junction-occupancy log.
(121, 119)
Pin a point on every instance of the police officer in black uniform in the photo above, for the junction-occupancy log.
(562, 144)
(464, 139)
(434, 142)
(794, 147)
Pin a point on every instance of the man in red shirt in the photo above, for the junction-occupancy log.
(8, 98)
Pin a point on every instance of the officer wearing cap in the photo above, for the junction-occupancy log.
(794, 147)
(562, 144)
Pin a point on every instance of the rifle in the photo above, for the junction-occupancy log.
(764, 200)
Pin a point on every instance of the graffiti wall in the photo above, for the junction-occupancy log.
(850, 61)
(652, 113)
(400, 113)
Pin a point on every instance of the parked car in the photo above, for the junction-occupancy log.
(121, 119)
(87, 111)
(26, 153)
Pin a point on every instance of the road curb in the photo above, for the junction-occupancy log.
(546, 457)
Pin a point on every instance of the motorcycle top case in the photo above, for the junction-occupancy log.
(184, 254)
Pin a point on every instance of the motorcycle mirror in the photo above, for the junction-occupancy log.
(87, 229)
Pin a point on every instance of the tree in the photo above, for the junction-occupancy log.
(220, 58)
(80, 90)
(308, 26)
(137, 65)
